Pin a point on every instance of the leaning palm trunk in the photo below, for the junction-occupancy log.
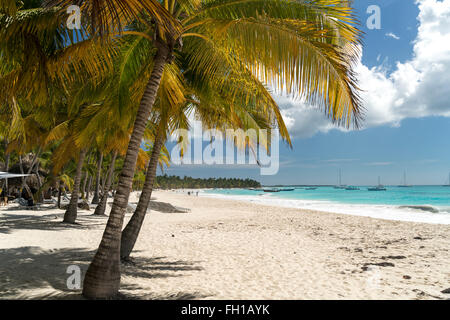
(131, 231)
(97, 179)
(71, 213)
(102, 279)
(100, 209)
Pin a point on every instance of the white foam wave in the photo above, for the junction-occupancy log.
(387, 212)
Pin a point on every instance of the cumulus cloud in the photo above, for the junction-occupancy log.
(417, 88)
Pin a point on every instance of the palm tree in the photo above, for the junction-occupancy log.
(212, 106)
(71, 213)
(101, 207)
(39, 58)
(95, 199)
(304, 48)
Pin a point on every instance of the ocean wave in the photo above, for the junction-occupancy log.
(423, 214)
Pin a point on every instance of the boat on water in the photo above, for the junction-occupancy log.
(404, 185)
(287, 189)
(379, 187)
(311, 188)
(340, 185)
(351, 188)
(447, 185)
(271, 190)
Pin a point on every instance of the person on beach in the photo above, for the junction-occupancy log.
(2, 198)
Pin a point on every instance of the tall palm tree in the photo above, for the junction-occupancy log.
(304, 48)
(216, 109)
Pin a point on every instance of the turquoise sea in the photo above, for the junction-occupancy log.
(423, 203)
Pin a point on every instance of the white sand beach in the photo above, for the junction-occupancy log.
(227, 249)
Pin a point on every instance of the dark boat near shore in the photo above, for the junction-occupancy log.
(271, 190)
(379, 187)
(287, 189)
(312, 188)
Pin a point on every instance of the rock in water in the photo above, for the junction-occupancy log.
(421, 208)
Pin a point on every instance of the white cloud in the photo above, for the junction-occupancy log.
(392, 35)
(417, 88)
(302, 120)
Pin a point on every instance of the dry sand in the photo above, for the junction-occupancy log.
(227, 249)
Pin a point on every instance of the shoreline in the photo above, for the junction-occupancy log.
(228, 249)
(378, 211)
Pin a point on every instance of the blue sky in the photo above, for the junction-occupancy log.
(404, 71)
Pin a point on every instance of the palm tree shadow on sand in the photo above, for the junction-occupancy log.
(35, 273)
(11, 221)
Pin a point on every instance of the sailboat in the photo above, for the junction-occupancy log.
(340, 185)
(379, 187)
(404, 185)
(447, 185)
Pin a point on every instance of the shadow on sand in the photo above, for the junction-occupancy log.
(10, 222)
(34, 273)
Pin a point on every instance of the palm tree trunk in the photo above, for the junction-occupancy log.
(97, 178)
(88, 188)
(100, 209)
(59, 195)
(40, 196)
(103, 182)
(86, 176)
(83, 187)
(7, 169)
(71, 213)
(102, 279)
(131, 231)
(24, 181)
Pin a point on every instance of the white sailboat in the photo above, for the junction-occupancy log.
(379, 187)
(404, 185)
(340, 185)
(447, 185)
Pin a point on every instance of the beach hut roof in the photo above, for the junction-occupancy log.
(6, 175)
